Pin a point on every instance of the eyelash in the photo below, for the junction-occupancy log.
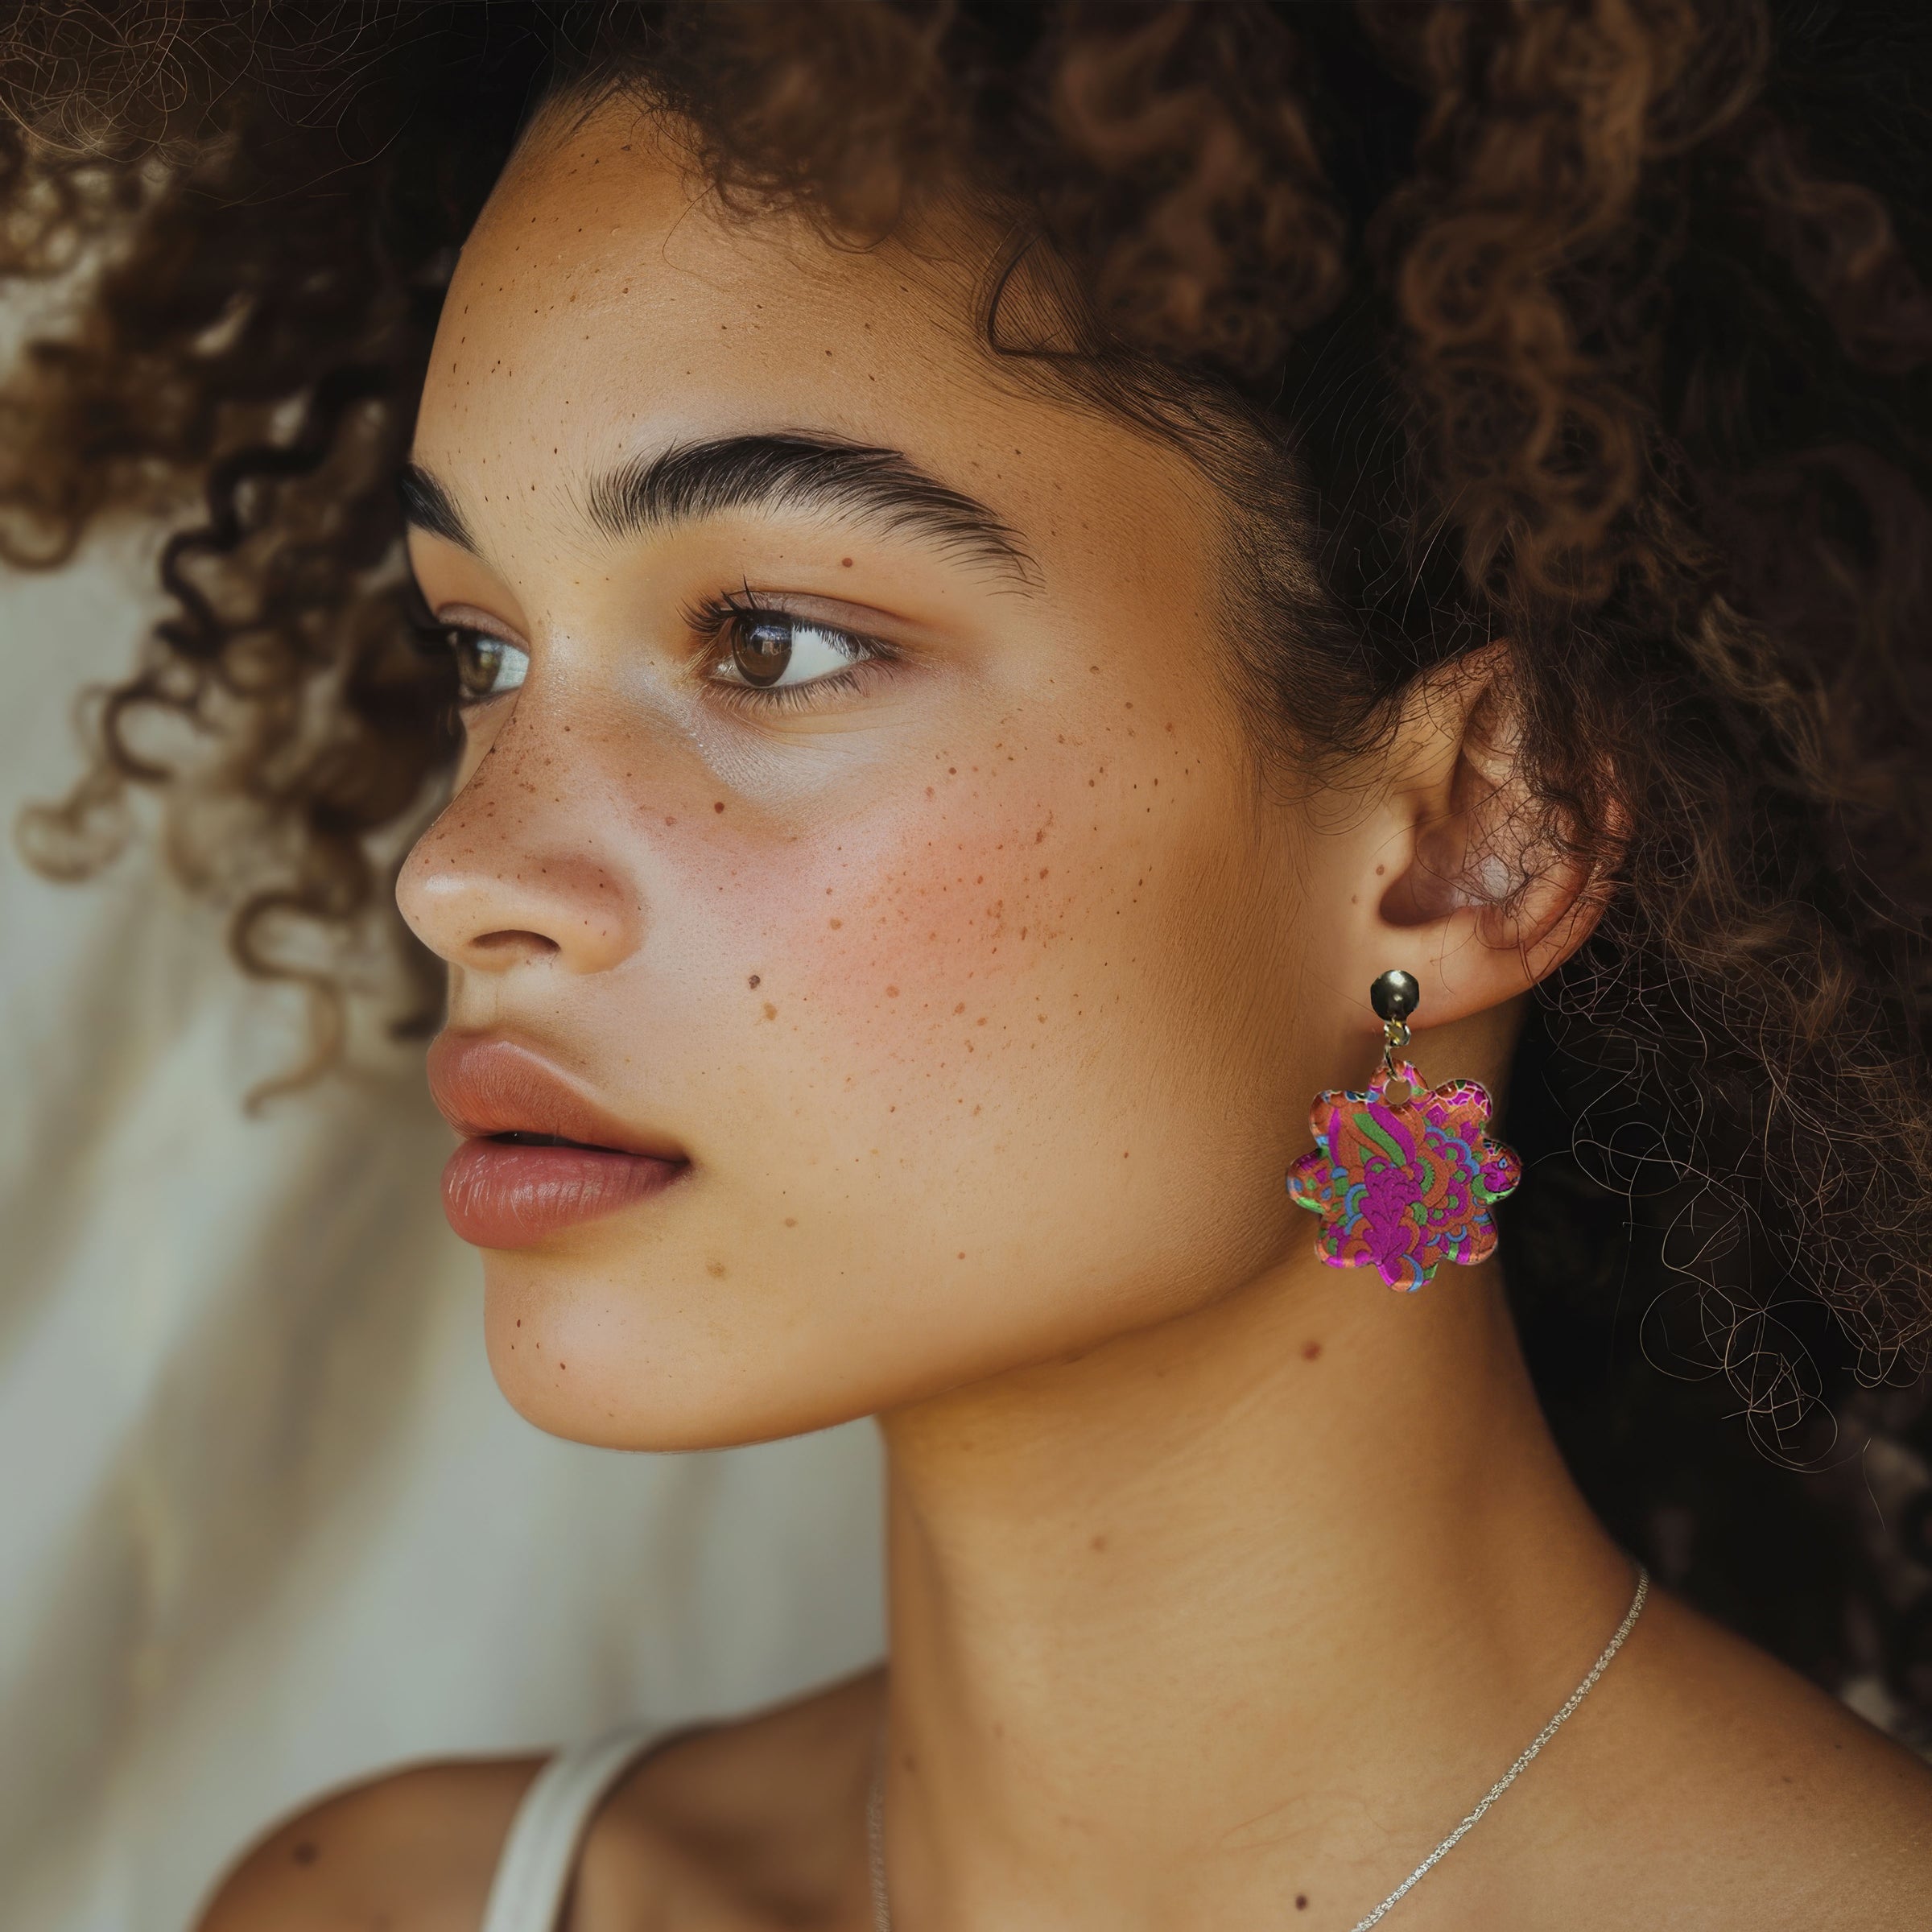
(714, 620)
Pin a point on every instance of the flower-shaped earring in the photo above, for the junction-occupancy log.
(1403, 1175)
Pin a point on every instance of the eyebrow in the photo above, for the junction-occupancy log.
(427, 505)
(689, 482)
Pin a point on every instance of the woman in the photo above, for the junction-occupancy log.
(1027, 589)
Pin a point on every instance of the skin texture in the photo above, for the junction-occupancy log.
(987, 999)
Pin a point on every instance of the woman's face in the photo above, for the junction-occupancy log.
(872, 840)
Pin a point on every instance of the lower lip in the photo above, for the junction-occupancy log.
(499, 1194)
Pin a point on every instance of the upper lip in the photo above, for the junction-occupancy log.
(484, 1084)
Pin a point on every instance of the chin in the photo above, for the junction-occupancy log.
(648, 1361)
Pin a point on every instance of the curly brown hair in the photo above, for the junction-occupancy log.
(1584, 326)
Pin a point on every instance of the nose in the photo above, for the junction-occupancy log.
(516, 874)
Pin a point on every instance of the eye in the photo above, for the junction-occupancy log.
(486, 666)
(768, 650)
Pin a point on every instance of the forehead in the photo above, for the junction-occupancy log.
(605, 302)
(607, 308)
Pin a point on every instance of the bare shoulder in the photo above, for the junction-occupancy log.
(756, 1822)
(414, 1850)
(1760, 1799)
(753, 1814)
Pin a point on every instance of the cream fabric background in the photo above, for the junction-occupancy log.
(265, 1522)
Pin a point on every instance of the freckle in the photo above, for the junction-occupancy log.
(979, 1022)
(976, 1110)
(791, 1220)
(718, 805)
(1043, 872)
(715, 1270)
(836, 924)
(1311, 1352)
(892, 993)
(929, 791)
(669, 821)
(771, 1012)
(962, 1254)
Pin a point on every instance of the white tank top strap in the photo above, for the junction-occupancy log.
(533, 1874)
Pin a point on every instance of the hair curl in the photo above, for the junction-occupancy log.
(1584, 326)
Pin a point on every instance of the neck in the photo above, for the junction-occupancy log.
(1249, 1606)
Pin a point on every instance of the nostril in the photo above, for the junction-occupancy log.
(511, 942)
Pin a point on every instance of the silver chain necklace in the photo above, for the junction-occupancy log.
(875, 1802)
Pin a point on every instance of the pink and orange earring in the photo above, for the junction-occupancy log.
(1403, 1175)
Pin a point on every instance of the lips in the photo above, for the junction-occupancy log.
(537, 1156)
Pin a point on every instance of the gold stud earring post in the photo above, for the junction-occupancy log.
(1394, 996)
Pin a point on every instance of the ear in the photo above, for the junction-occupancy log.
(1477, 896)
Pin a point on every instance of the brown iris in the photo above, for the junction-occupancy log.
(479, 662)
(760, 649)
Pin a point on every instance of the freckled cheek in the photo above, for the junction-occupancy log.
(883, 935)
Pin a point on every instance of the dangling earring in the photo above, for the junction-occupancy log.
(1403, 1175)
